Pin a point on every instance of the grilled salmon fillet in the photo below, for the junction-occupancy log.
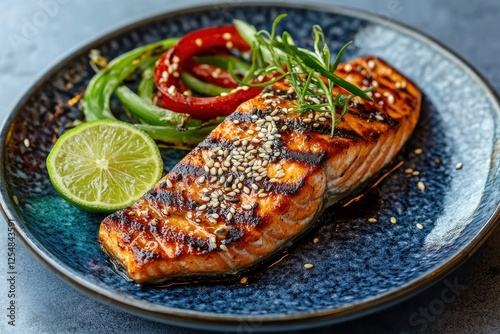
(260, 179)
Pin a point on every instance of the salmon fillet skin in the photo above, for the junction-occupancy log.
(261, 179)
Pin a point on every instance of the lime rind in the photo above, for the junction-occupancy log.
(104, 165)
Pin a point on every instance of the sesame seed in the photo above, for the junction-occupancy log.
(308, 265)
(408, 170)
(169, 183)
(262, 195)
(379, 117)
(393, 220)
(171, 90)
(254, 186)
(372, 220)
(224, 248)
(418, 151)
(205, 199)
(214, 215)
(415, 173)
(202, 207)
(226, 36)
(247, 207)
(419, 226)
(459, 166)
(371, 64)
(243, 280)
(199, 42)
(316, 240)
(221, 229)
(212, 242)
(348, 67)
(421, 186)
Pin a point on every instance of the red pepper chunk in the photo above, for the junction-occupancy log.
(210, 74)
(171, 90)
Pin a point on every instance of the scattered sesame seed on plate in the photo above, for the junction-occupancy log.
(421, 186)
(419, 226)
(418, 151)
(393, 220)
(372, 220)
(244, 280)
(459, 165)
(308, 265)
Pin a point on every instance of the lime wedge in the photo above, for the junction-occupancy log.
(104, 165)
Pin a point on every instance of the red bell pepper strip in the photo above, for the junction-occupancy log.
(210, 74)
(173, 92)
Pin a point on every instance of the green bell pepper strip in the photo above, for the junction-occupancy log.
(146, 111)
(102, 85)
(201, 87)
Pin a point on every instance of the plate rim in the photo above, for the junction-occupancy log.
(198, 319)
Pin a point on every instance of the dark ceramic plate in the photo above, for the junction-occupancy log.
(359, 267)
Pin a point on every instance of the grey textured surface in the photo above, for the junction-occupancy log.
(35, 34)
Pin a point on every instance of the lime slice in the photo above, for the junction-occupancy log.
(104, 165)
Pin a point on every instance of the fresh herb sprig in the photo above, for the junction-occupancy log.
(310, 73)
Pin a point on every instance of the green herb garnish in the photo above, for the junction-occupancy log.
(310, 73)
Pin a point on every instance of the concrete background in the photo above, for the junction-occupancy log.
(46, 304)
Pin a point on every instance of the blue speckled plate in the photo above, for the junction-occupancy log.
(359, 267)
